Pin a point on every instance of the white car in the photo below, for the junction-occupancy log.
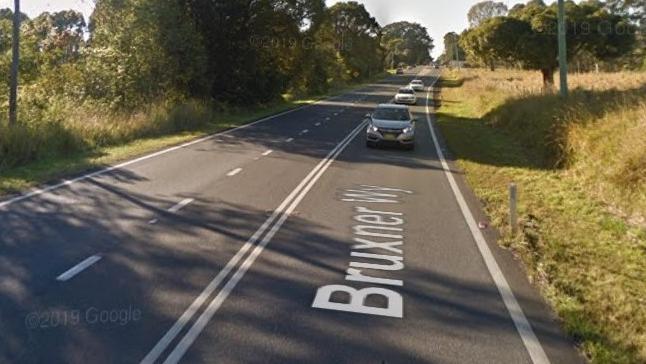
(406, 95)
(391, 125)
(417, 85)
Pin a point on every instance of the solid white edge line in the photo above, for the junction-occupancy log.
(268, 152)
(206, 316)
(234, 172)
(45, 189)
(188, 314)
(180, 205)
(70, 273)
(524, 328)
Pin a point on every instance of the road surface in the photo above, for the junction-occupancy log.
(285, 241)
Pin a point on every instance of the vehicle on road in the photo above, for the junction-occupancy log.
(417, 85)
(406, 95)
(399, 71)
(391, 124)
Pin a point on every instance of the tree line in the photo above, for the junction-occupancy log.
(610, 34)
(131, 52)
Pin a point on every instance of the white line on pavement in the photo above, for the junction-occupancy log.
(531, 342)
(180, 205)
(153, 221)
(289, 140)
(327, 119)
(305, 131)
(281, 213)
(70, 273)
(234, 172)
(267, 153)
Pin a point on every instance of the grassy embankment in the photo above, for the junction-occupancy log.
(36, 152)
(580, 167)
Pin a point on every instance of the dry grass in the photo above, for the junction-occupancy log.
(598, 134)
(582, 234)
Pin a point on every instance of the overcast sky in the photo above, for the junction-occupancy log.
(439, 16)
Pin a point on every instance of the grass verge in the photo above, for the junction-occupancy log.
(587, 259)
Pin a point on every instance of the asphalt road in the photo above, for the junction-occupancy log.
(286, 241)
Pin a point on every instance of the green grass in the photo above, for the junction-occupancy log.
(110, 140)
(588, 260)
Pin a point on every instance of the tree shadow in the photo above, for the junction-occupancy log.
(159, 270)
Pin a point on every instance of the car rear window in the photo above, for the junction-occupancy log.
(406, 91)
(387, 113)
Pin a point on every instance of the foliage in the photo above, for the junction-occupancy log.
(527, 37)
(485, 10)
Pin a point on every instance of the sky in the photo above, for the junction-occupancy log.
(438, 16)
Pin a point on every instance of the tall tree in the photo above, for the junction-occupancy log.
(57, 36)
(406, 42)
(485, 10)
(635, 10)
(15, 59)
(143, 49)
(360, 36)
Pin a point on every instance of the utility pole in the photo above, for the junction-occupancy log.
(562, 49)
(456, 50)
(13, 88)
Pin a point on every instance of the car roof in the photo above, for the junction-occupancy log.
(405, 88)
(392, 106)
(416, 81)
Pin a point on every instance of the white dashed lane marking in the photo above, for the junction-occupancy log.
(234, 172)
(180, 205)
(70, 273)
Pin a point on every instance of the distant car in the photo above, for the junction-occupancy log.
(399, 71)
(391, 124)
(417, 85)
(436, 66)
(406, 95)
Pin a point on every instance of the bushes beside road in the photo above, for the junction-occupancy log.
(581, 170)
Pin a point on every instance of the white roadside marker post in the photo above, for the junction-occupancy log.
(513, 219)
